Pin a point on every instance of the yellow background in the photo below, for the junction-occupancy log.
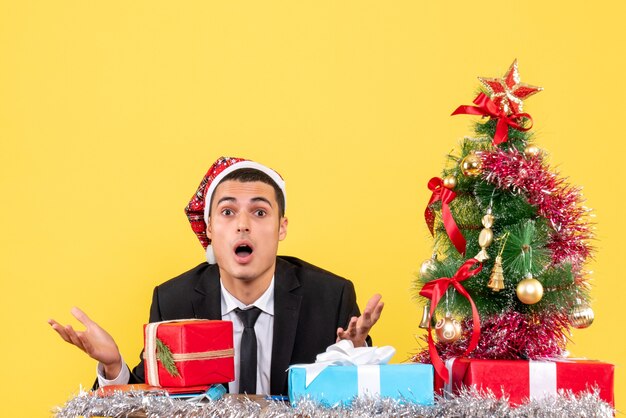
(110, 113)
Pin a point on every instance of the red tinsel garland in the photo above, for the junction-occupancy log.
(508, 336)
(555, 200)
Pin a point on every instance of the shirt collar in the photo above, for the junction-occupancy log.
(265, 302)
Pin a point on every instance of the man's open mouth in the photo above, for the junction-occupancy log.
(243, 250)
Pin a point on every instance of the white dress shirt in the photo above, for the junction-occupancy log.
(264, 329)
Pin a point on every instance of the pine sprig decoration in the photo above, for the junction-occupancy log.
(164, 355)
(525, 250)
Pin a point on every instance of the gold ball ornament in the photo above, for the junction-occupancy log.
(532, 150)
(472, 165)
(581, 316)
(529, 290)
(449, 182)
(427, 267)
(448, 330)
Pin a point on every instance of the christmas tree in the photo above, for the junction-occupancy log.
(506, 279)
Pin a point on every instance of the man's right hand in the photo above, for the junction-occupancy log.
(94, 341)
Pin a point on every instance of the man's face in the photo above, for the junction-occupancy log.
(245, 227)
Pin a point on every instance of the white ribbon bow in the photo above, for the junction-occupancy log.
(344, 353)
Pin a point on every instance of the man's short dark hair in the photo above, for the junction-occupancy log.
(249, 175)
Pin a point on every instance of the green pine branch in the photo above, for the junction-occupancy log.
(525, 250)
(516, 138)
(164, 355)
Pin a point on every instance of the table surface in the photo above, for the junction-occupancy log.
(260, 399)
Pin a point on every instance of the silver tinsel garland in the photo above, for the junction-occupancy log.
(469, 403)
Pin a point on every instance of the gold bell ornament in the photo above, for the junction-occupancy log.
(472, 165)
(581, 316)
(448, 329)
(485, 239)
(425, 317)
(529, 290)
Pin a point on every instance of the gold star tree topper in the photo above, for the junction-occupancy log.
(508, 92)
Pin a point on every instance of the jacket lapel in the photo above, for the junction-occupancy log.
(286, 312)
(206, 300)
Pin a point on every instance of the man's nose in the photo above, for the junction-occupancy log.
(243, 224)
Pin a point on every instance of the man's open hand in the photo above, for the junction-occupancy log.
(359, 328)
(94, 341)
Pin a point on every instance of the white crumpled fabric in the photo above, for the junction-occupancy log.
(344, 353)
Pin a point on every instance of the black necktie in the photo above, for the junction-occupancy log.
(247, 353)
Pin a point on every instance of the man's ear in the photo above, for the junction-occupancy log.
(208, 229)
(282, 228)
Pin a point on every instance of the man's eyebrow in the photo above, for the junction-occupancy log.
(226, 199)
(261, 199)
(254, 199)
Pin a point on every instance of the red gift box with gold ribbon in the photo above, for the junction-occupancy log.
(188, 353)
(522, 380)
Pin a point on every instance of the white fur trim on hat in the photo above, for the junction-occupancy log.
(238, 166)
(210, 255)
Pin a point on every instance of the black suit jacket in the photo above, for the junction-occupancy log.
(309, 305)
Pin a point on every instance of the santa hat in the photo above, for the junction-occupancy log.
(198, 208)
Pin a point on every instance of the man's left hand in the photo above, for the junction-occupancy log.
(359, 328)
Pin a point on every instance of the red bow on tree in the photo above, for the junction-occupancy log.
(486, 107)
(434, 290)
(446, 196)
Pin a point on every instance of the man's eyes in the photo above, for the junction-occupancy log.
(257, 212)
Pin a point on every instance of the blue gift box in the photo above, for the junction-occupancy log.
(339, 385)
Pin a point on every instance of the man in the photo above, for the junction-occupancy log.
(238, 214)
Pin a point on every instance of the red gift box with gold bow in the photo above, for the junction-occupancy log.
(188, 353)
